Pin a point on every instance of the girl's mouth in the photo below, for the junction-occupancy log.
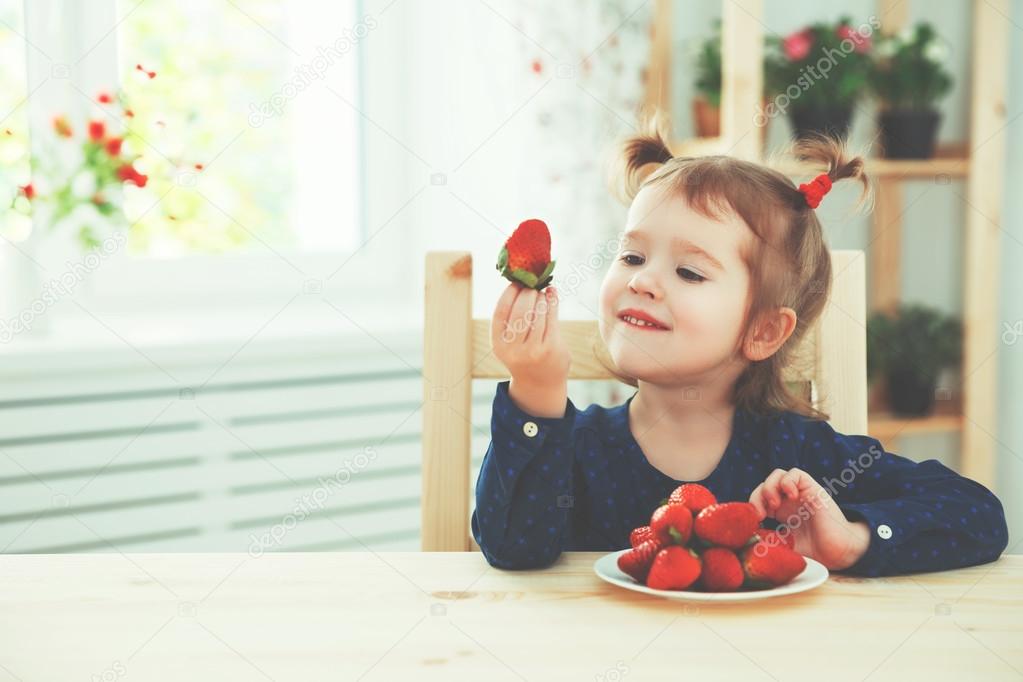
(631, 321)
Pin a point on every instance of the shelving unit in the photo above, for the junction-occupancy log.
(970, 410)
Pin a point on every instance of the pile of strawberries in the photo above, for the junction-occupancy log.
(693, 542)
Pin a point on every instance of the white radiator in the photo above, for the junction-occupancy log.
(296, 445)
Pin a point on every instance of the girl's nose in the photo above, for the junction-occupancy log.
(644, 284)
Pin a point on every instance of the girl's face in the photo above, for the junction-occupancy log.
(684, 271)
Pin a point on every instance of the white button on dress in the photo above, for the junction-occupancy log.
(530, 429)
(884, 531)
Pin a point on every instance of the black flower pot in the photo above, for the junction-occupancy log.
(909, 394)
(831, 121)
(909, 134)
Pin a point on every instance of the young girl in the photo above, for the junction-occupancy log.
(722, 269)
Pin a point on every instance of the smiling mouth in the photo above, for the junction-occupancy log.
(641, 324)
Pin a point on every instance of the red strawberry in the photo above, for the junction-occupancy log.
(640, 535)
(770, 564)
(729, 524)
(674, 521)
(692, 495)
(722, 571)
(674, 568)
(774, 537)
(526, 256)
(636, 562)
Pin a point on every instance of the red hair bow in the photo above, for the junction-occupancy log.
(815, 190)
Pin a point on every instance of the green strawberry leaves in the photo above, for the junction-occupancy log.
(524, 277)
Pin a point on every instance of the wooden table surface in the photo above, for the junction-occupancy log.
(450, 616)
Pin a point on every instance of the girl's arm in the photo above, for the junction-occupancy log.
(524, 493)
(922, 516)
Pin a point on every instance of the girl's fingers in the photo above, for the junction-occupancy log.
(521, 319)
(788, 484)
(771, 492)
(756, 498)
(502, 312)
(551, 327)
(540, 312)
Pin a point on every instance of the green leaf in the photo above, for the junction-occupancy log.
(547, 271)
(526, 277)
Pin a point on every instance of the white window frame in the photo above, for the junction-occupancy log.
(139, 286)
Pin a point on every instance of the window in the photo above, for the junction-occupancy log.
(242, 114)
(15, 224)
(248, 119)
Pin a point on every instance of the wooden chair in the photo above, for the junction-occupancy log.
(830, 365)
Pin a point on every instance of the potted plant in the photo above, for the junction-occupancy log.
(908, 77)
(909, 349)
(817, 73)
(707, 102)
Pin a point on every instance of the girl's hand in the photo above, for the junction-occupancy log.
(525, 336)
(818, 526)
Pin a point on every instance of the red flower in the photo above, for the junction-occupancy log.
(129, 113)
(114, 146)
(104, 98)
(861, 43)
(61, 125)
(127, 173)
(537, 66)
(797, 46)
(96, 130)
(28, 190)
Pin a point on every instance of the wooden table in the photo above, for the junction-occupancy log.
(450, 616)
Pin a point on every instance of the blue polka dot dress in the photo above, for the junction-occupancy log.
(582, 483)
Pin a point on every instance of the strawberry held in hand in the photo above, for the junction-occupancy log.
(526, 256)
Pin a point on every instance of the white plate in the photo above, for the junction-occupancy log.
(606, 568)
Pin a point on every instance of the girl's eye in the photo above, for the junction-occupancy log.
(633, 259)
(697, 278)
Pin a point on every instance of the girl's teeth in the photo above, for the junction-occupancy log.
(641, 323)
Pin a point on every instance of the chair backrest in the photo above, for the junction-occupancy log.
(830, 365)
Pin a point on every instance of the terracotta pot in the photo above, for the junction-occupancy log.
(706, 117)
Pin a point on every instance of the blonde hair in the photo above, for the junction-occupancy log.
(789, 262)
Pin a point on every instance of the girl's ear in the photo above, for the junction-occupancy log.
(770, 332)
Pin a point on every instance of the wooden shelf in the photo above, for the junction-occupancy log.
(912, 169)
(887, 427)
(940, 166)
(946, 417)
